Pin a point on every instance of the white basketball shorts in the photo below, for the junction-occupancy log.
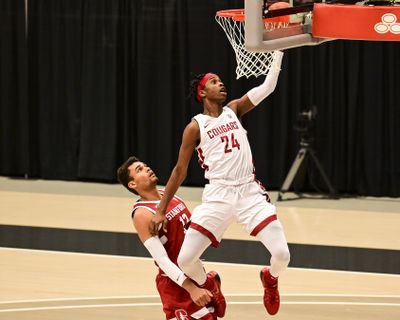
(246, 204)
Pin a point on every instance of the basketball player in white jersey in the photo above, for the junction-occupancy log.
(233, 193)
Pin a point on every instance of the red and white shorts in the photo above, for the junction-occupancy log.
(176, 301)
(248, 204)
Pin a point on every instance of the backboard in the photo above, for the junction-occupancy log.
(296, 34)
(261, 28)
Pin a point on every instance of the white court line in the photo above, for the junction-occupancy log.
(333, 295)
(80, 299)
(206, 262)
(157, 304)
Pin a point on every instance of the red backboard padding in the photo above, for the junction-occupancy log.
(356, 22)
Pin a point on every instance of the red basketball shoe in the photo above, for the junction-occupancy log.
(271, 293)
(213, 284)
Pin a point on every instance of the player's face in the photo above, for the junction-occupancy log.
(143, 177)
(215, 89)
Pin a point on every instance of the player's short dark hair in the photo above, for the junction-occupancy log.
(123, 173)
(193, 86)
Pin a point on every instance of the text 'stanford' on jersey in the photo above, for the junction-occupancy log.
(178, 216)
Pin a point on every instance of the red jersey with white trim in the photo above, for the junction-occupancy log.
(178, 215)
(176, 300)
(224, 150)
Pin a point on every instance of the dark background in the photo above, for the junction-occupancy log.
(89, 82)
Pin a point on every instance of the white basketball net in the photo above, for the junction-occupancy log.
(248, 63)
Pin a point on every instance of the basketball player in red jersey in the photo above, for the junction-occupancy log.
(181, 298)
(233, 192)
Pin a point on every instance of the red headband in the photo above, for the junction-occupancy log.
(201, 85)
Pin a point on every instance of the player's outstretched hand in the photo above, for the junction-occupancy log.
(158, 220)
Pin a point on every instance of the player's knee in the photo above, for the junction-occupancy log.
(283, 256)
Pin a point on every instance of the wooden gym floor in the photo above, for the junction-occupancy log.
(56, 284)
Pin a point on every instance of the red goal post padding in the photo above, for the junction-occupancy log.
(356, 22)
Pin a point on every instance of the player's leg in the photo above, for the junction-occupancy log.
(273, 238)
(208, 223)
(258, 216)
(193, 246)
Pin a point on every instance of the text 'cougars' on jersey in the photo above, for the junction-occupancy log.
(222, 129)
(175, 211)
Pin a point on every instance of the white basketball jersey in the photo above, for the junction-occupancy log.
(224, 150)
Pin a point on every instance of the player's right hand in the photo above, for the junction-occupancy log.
(200, 296)
(157, 221)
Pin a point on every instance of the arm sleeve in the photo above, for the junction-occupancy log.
(258, 94)
(157, 251)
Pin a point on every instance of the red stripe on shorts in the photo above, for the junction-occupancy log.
(208, 234)
(263, 224)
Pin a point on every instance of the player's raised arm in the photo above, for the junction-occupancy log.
(190, 139)
(259, 93)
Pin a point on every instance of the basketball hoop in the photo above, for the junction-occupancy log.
(248, 63)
